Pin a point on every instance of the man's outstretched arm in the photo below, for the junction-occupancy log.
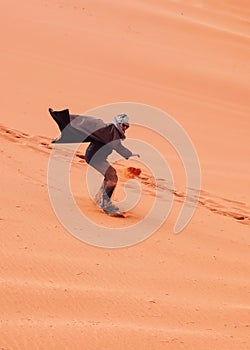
(123, 151)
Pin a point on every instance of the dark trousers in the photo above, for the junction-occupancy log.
(101, 164)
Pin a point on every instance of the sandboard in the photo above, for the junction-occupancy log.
(115, 215)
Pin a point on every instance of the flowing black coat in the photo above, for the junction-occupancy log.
(102, 137)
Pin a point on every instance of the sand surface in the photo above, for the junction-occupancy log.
(188, 291)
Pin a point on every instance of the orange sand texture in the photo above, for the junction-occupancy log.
(189, 58)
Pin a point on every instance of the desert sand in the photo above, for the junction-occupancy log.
(189, 58)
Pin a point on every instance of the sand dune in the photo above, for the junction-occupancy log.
(189, 58)
(218, 205)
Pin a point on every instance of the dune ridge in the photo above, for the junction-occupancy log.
(218, 205)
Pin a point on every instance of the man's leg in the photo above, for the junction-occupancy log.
(103, 197)
(110, 181)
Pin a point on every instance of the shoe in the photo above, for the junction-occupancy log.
(110, 208)
(105, 203)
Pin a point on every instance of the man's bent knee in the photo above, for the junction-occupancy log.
(111, 176)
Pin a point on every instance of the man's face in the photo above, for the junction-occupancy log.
(124, 126)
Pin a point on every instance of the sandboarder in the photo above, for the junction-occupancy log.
(103, 138)
(96, 156)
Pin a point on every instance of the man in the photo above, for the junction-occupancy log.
(96, 156)
(104, 139)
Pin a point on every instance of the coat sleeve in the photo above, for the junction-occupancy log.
(119, 148)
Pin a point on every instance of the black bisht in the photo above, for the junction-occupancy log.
(77, 128)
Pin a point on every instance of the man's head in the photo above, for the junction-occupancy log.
(123, 120)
